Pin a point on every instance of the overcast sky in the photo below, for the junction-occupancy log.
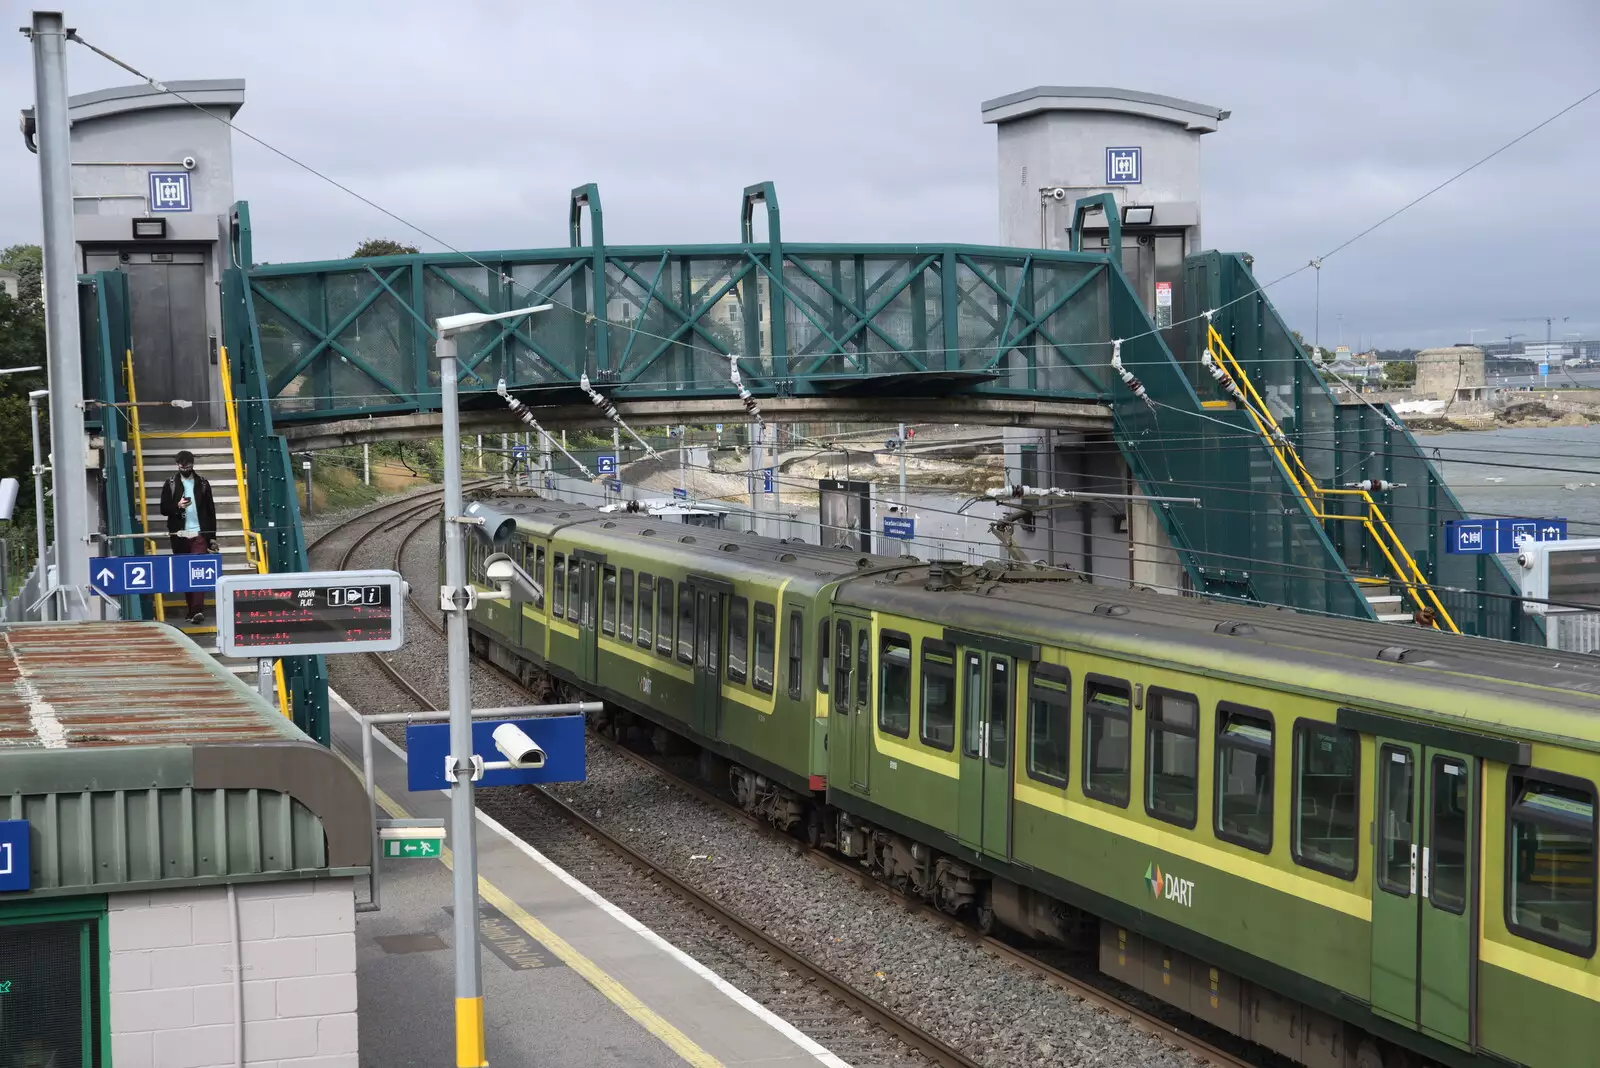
(475, 119)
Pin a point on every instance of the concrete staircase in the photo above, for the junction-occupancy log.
(214, 461)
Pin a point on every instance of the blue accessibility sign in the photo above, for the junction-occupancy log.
(903, 527)
(1500, 535)
(606, 464)
(561, 738)
(117, 576)
(14, 864)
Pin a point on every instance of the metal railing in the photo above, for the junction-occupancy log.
(1404, 571)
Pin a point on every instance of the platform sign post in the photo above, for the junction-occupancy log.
(456, 598)
(1500, 536)
(606, 464)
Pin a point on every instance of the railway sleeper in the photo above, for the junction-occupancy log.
(1220, 998)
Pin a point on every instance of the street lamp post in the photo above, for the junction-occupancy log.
(456, 600)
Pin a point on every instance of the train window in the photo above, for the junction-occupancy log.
(1244, 777)
(797, 638)
(1447, 834)
(685, 624)
(863, 667)
(558, 587)
(997, 746)
(625, 620)
(538, 574)
(664, 616)
(738, 637)
(1107, 732)
(824, 654)
(972, 706)
(765, 639)
(938, 694)
(894, 683)
(1327, 792)
(1396, 807)
(1049, 723)
(608, 602)
(647, 610)
(1172, 757)
(1551, 860)
(841, 683)
(574, 588)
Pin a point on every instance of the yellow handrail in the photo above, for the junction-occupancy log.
(1374, 522)
(138, 467)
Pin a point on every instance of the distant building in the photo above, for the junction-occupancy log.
(1553, 353)
(9, 282)
(1451, 374)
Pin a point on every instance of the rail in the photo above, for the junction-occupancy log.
(1403, 565)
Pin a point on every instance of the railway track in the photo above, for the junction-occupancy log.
(811, 1002)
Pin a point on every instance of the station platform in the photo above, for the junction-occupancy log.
(569, 980)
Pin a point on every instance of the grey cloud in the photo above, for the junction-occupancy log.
(474, 120)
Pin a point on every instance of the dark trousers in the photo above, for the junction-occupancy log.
(191, 543)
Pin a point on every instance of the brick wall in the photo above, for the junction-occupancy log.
(172, 998)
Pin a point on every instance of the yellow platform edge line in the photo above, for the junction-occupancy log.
(619, 995)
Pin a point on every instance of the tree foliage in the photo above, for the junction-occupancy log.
(1399, 374)
(28, 263)
(382, 246)
(21, 345)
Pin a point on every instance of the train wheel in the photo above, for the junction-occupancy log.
(1369, 1054)
(814, 827)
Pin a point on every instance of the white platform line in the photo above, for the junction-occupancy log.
(739, 997)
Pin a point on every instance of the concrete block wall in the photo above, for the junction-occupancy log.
(171, 976)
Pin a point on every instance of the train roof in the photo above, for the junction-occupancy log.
(1519, 689)
(807, 568)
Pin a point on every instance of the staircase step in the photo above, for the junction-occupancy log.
(1382, 598)
(1394, 617)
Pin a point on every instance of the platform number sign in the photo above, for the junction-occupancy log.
(606, 464)
(169, 191)
(14, 865)
(1124, 166)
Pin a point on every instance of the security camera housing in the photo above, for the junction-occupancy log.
(518, 749)
(516, 583)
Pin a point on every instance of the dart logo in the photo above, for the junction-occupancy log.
(1164, 885)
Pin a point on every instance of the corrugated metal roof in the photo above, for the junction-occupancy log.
(91, 684)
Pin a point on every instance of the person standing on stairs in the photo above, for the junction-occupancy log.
(191, 514)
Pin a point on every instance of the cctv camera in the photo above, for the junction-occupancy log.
(515, 745)
(190, 163)
(1058, 193)
(516, 583)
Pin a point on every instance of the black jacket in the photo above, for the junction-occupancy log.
(172, 493)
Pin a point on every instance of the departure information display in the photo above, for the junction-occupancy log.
(311, 613)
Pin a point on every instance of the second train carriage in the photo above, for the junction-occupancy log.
(1288, 825)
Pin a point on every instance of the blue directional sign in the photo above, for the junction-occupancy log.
(1500, 535)
(680, 493)
(768, 480)
(13, 855)
(116, 576)
(1123, 166)
(903, 527)
(561, 738)
(614, 485)
(606, 465)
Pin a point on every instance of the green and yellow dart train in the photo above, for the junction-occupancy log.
(1353, 843)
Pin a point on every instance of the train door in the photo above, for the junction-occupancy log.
(588, 566)
(1424, 952)
(850, 724)
(710, 638)
(987, 696)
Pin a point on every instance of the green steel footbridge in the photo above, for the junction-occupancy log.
(1306, 498)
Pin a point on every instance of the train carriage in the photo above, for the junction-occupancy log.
(1355, 844)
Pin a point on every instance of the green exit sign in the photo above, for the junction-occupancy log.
(412, 848)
